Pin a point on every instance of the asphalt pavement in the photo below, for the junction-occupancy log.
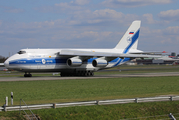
(7, 79)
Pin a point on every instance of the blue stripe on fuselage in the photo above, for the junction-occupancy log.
(38, 61)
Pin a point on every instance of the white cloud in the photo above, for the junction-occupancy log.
(109, 17)
(80, 2)
(148, 18)
(68, 7)
(159, 39)
(170, 15)
(172, 30)
(103, 17)
(133, 3)
(170, 36)
(107, 13)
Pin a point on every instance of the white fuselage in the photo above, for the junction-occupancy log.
(49, 60)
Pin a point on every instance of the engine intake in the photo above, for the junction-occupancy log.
(99, 63)
(72, 62)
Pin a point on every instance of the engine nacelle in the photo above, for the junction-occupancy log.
(99, 63)
(72, 62)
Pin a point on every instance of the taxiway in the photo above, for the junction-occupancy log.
(7, 79)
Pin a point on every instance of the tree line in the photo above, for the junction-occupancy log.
(3, 59)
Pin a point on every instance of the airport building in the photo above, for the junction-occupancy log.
(167, 59)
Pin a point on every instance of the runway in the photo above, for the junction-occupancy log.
(8, 79)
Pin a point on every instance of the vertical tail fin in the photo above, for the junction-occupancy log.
(130, 38)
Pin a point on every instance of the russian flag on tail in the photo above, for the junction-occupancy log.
(131, 32)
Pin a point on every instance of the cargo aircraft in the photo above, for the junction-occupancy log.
(78, 62)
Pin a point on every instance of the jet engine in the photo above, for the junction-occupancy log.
(99, 62)
(72, 62)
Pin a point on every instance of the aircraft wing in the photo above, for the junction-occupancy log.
(1, 64)
(103, 54)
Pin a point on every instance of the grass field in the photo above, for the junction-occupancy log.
(35, 92)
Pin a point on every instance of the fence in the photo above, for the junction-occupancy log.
(86, 103)
(1, 108)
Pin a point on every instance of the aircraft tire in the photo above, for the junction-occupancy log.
(86, 73)
(82, 73)
(79, 73)
(27, 75)
(62, 74)
(30, 75)
(91, 73)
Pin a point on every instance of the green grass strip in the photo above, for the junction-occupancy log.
(37, 92)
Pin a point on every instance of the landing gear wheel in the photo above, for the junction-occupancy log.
(91, 73)
(86, 73)
(77, 73)
(30, 75)
(27, 75)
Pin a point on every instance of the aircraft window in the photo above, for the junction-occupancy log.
(21, 52)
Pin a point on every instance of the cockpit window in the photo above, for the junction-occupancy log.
(21, 52)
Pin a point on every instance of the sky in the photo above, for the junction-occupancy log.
(87, 24)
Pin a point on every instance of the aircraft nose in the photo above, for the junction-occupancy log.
(6, 63)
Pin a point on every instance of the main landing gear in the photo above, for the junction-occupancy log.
(78, 73)
(65, 74)
(27, 75)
